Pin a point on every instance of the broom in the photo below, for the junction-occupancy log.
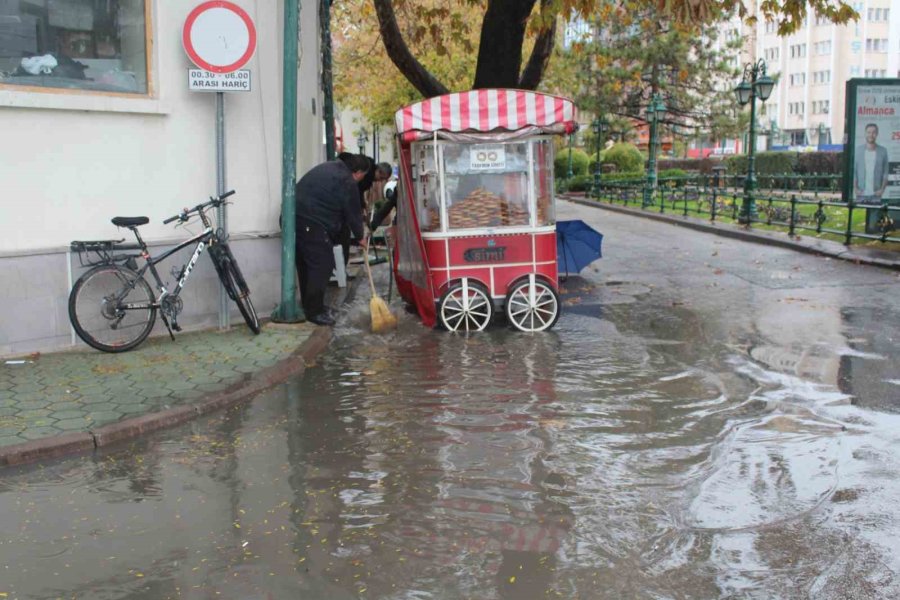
(382, 318)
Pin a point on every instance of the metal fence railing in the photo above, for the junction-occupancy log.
(797, 204)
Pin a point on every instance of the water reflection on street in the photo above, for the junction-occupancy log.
(656, 444)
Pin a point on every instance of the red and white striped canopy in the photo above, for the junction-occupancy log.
(486, 110)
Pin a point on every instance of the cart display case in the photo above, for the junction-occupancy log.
(475, 229)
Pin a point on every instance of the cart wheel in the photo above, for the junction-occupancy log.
(532, 305)
(465, 307)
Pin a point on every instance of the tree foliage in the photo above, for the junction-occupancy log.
(364, 76)
(637, 51)
(504, 25)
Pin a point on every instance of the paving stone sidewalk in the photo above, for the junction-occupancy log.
(81, 391)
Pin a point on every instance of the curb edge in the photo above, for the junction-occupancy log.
(240, 391)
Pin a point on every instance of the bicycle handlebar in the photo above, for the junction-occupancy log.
(186, 213)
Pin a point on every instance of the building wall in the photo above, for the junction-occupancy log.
(815, 63)
(70, 161)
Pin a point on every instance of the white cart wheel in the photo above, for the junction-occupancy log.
(465, 306)
(532, 305)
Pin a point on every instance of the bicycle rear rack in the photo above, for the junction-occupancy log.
(103, 252)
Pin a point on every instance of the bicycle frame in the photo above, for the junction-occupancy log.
(201, 239)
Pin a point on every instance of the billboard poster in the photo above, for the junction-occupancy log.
(872, 166)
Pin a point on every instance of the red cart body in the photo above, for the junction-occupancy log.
(475, 226)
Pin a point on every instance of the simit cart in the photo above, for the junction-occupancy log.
(475, 230)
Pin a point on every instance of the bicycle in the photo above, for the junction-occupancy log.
(113, 308)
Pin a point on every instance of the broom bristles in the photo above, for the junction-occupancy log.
(382, 318)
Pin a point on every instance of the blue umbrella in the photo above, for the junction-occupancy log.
(577, 245)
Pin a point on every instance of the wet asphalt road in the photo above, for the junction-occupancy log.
(709, 419)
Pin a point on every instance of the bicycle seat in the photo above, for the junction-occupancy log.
(129, 221)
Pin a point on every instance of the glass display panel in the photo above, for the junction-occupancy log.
(486, 185)
(96, 45)
(543, 175)
(427, 184)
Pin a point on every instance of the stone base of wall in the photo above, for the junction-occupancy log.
(34, 293)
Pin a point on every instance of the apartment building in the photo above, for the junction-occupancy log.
(812, 66)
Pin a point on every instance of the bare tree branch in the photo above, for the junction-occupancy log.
(540, 56)
(400, 55)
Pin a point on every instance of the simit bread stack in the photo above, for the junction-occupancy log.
(482, 208)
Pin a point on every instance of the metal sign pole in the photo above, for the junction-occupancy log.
(221, 212)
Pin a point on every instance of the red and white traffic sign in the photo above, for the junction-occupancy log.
(219, 36)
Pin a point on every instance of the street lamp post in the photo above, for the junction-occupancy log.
(655, 111)
(754, 84)
(361, 140)
(600, 126)
(569, 170)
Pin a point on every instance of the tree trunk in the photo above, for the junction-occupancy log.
(500, 49)
(540, 57)
(400, 55)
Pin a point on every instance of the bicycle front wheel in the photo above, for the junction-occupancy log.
(111, 308)
(235, 286)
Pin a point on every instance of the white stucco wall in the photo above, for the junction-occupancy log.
(69, 162)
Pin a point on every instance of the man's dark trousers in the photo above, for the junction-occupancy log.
(315, 263)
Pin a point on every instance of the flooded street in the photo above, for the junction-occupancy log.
(708, 419)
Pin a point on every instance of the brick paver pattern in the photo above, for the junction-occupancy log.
(52, 394)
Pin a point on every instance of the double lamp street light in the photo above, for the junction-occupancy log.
(600, 126)
(656, 110)
(754, 84)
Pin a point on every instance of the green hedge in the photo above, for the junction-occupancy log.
(580, 162)
(626, 157)
(623, 176)
(701, 165)
(767, 163)
(775, 163)
(581, 183)
(820, 163)
(672, 173)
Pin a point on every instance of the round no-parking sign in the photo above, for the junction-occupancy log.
(219, 36)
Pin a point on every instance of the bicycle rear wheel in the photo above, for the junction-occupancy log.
(111, 308)
(235, 286)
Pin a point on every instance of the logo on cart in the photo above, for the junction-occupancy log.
(487, 156)
(480, 255)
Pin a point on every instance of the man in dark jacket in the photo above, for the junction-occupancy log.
(327, 199)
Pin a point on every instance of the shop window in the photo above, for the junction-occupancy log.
(97, 45)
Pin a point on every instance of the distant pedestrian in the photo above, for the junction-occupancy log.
(383, 174)
(363, 186)
(389, 194)
(327, 199)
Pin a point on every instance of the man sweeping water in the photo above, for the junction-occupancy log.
(327, 199)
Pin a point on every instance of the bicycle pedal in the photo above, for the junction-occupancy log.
(176, 326)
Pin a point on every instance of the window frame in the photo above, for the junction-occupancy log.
(36, 96)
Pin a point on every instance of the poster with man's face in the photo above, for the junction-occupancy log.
(875, 138)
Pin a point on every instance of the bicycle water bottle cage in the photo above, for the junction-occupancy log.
(129, 221)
